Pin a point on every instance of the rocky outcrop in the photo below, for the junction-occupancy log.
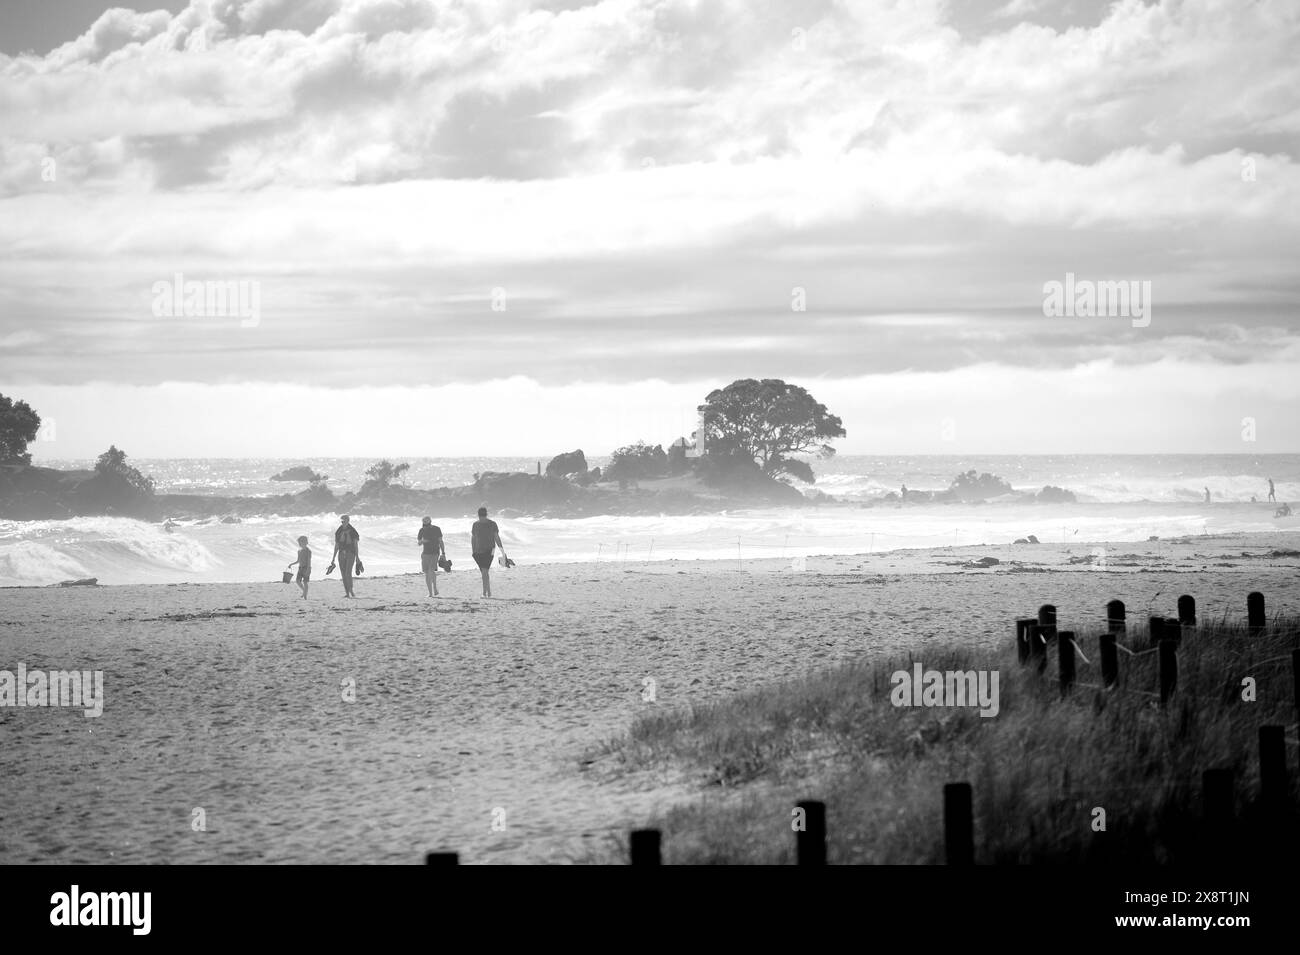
(571, 462)
(300, 473)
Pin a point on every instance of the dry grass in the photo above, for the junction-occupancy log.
(1038, 768)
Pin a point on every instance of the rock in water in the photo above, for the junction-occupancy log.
(571, 462)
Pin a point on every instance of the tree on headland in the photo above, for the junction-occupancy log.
(767, 422)
(385, 472)
(18, 427)
(113, 461)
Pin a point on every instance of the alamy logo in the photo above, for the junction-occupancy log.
(102, 908)
(946, 688)
(1089, 299)
(240, 299)
(83, 688)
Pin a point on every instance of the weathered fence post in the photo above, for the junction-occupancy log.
(1065, 659)
(810, 842)
(1255, 612)
(1047, 620)
(1038, 646)
(1295, 680)
(1171, 629)
(1217, 799)
(958, 824)
(1168, 664)
(1187, 610)
(441, 858)
(1155, 625)
(1109, 659)
(1272, 768)
(644, 846)
(1115, 620)
(1022, 639)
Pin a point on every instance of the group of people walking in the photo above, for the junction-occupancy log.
(485, 538)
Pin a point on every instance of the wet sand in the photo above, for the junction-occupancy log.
(475, 723)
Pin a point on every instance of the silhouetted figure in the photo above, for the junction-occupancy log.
(484, 537)
(347, 552)
(1272, 496)
(1207, 495)
(904, 492)
(430, 540)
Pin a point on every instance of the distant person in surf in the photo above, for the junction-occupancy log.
(347, 553)
(1283, 511)
(1272, 496)
(304, 566)
(430, 539)
(484, 537)
(1207, 495)
(904, 492)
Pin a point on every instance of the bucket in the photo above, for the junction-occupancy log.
(288, 577)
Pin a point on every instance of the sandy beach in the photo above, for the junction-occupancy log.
(475, 723)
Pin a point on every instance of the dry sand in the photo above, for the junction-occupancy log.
(229, 697)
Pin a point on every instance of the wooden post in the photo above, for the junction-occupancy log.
(1154, 627)
(1171, 629)
(1168, 664)
(1047, 620)
(442, 858)
(1023, 650)
(958, 824)
(1109, 659)
(810, 843)
(1272, 768)
(1187, 610)
(1255, 612)
(644, 846)
(1038, 646)
(1115, 622)
(1295, 680)
(1065, 659)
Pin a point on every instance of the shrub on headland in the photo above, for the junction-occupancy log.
(1051, 494)
(637, 462)
(384, 473)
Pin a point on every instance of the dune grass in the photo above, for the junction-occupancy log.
(1038, 769)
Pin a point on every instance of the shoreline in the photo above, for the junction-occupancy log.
(1118, 557)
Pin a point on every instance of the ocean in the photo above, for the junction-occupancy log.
(1120, 498)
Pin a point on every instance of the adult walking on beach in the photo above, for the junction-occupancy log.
(1272, 495)
(484, 536)
(347, 552)
(430, 538)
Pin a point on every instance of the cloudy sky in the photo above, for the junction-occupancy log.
(506, 227)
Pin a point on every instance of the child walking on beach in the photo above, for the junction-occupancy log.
(304, 566)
